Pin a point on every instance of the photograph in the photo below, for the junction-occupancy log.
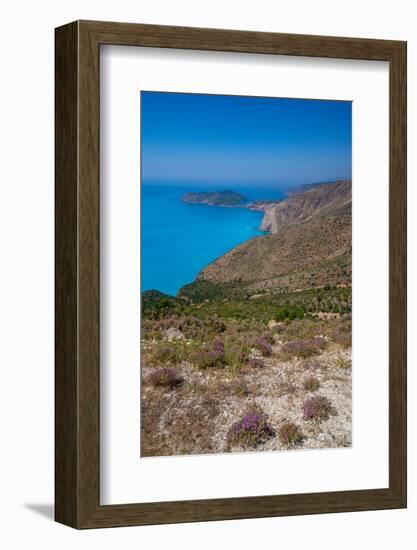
(209, 267)
(246, 274)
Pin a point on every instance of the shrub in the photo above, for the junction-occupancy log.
(256, 363)
(213, 357)
(251, 430)
(280, 315)
(311, 384)
(269, 337)
(237, 355)
(343, 338)
(343, 363)
(169, 353)
(239, 388)
(286, 387)
(304, 348)
(290, 434)
(165, 377)
(218, 347)
(317, 408)
(263, 346)
(289, 313)
(164, 353)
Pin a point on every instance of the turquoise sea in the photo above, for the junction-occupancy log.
(179, 240)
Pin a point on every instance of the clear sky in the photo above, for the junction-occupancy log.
(219, 140)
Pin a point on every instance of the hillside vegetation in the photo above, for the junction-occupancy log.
(256, 353)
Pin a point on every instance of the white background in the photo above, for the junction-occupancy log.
(26, 218)
(127, 478)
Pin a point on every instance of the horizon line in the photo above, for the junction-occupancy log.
(158, 181)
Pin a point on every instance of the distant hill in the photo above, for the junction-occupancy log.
(309, 245)
(303, 206)
(153, 296)
(309, 186)
(156, 304)
(215, 198)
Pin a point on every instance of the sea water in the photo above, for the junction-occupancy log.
(178, 240)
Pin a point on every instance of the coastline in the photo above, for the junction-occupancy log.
(265, 206)
(210, 238)
(179, 240)
(312, 226)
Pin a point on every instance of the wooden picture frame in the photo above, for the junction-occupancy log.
(77, 382)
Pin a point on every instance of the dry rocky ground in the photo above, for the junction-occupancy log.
(194, 413)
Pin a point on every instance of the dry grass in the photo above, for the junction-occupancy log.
(196, 415)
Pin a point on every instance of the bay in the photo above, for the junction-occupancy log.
(178, 240)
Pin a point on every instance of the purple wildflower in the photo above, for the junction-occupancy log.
(311, 384)
(317, 408)
(263, 346)
(251, 430)
(211, 358)
(304, 348)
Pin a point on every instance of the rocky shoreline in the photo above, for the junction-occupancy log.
(269, 222)
(296, 208)
(329, 198)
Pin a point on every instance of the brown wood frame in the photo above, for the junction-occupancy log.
(77, 472)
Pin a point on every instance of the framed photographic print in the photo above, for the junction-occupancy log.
(230, 274)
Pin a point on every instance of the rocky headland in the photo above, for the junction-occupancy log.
(215, 198)
(308, 245)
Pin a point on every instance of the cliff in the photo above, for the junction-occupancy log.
(304, 206)
(309, 245)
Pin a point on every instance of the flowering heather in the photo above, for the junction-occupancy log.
(165, 377)
(263, 346)
(252, 430)
(317, 408)
(304, 348)
(269, 337)
(311, 384)
(256, 363)
(218, 346)
(213, 357)
(290, 434)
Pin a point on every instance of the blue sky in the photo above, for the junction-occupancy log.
(218, 140)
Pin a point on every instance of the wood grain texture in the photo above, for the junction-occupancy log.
(398, 273)
(78, 284)
(66, 237)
